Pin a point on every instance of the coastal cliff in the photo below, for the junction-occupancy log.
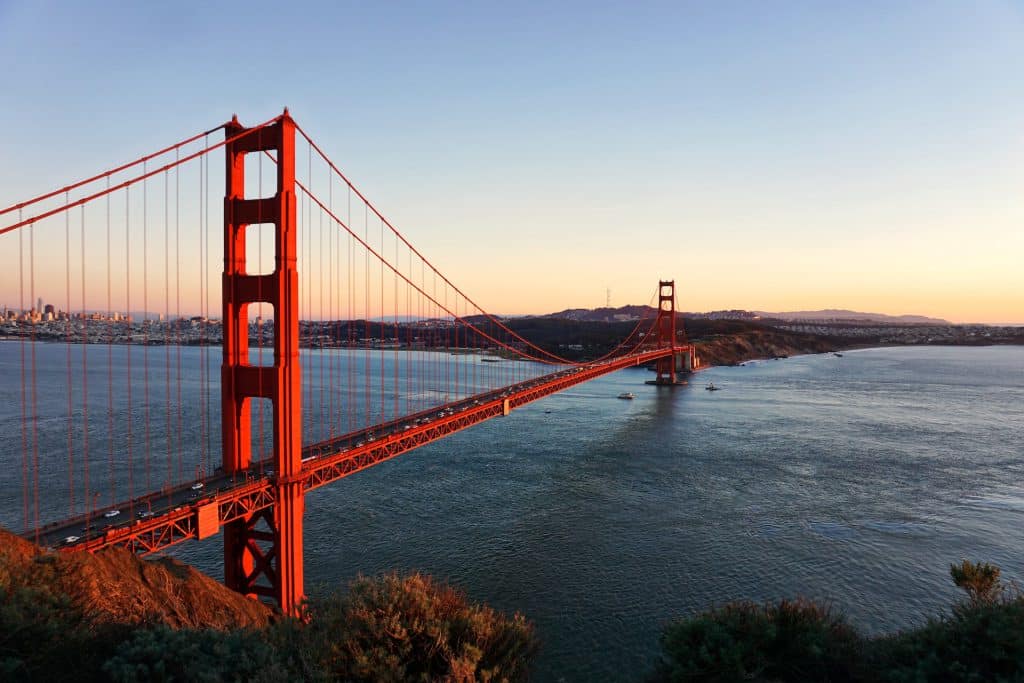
(732, 349)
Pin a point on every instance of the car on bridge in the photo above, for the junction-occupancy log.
(111, 513)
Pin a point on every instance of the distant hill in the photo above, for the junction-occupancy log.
(843, 314)
(620, 314)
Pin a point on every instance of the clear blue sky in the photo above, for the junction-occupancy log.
(777, 156)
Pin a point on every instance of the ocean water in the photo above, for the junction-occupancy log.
(856, 480)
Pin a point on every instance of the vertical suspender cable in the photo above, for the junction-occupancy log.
(167, 331)
(308, 266)
(395, 360)
(366, 318)
(409, 353)
(350, 354)
(35, 387)
(203, 367)
(110, 365)
(447, 355)
(145, 326)
(320, 323)
(67, 345)
(127, 350)
(329, 327)
(24, 385)
(85, 359)
(177, 314)
(205, 163)
(383, 394)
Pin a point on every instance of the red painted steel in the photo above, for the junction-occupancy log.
(666, 327)
(63, 208)
(260, 546)
(108, 173)
(241, 502)
(261, 509)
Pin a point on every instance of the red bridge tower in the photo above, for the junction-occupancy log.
(681, 359)
(263, 552)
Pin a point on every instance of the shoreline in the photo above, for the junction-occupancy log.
(742, 350)
(706, 349)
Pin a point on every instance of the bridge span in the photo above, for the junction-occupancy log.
(156, 521)
(310, 247)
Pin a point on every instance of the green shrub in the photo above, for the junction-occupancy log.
(33, 624)
(391, 628)
(981, 639)
(789, 641)
(411, 629)
(977, 642)
(43, 635)
(163, 655)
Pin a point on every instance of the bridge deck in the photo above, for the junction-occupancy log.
(169, 517)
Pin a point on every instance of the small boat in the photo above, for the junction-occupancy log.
(627, 395)
(711, 387)
(837, 354)
(490, 360)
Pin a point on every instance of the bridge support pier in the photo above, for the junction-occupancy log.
(263, 552)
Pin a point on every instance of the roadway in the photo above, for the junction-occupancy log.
(197, 509)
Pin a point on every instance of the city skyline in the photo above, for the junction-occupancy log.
(797, 157)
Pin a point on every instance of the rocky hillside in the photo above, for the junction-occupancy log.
(115, 586)
(730, 349)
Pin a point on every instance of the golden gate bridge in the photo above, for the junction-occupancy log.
(145, 461)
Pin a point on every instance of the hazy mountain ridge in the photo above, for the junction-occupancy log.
(845, 314)
(605, 314)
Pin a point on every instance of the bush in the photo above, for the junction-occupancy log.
(981, 639)
(392, 628)
(412, 629)
(790, 641)
(979, 579)
(33, 626)
(162, 655)
(978, 642)
(44, 636)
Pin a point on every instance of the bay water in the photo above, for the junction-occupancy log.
(855, 479)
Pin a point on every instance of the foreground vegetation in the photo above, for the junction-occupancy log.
(386, 629)
(981, 639)
(410, 628)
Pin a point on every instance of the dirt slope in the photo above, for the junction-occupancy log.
(116, 586)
